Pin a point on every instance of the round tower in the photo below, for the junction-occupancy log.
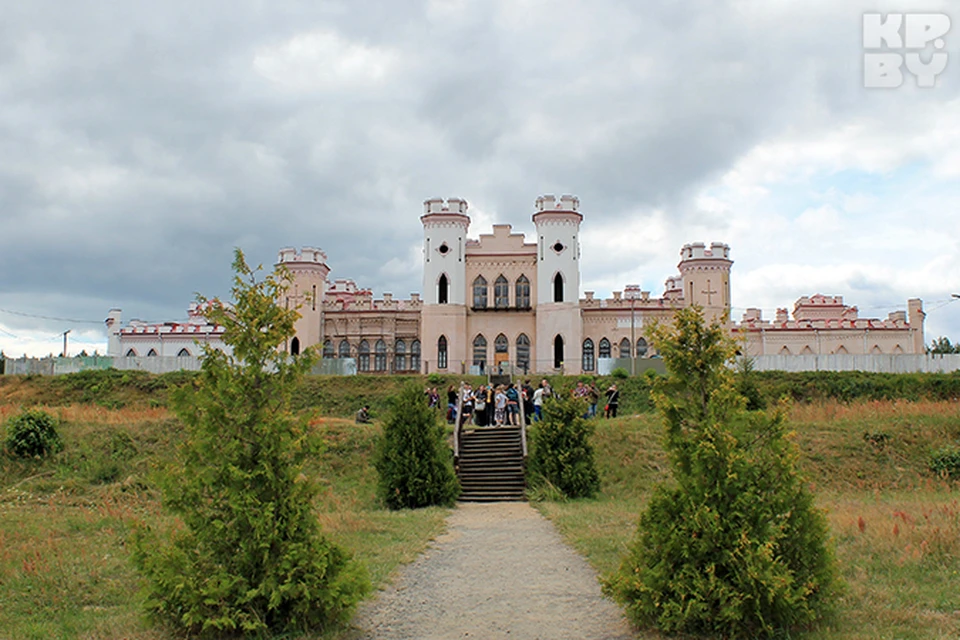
(308, 270)
(445, 227)
(706, 278)
(443, 316)
(559, 326)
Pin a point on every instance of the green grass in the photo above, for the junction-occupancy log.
(902, 571)
(65, 521)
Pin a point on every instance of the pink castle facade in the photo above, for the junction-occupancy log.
(499, 300)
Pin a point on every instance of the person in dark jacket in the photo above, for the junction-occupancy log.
(613, 401)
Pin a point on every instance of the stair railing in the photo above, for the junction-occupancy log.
(458, 421)
(523, 425)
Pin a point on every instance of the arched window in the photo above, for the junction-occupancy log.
(480, 293)
(604, 348)
(558, 288)
(523, 293)
(557, 352)
(151, 353)
(588, 364)
(442, 289)
(641, 348)
(131, 353)
(363, 353)
(344, 349)
(380, 357)
(400, 356)
(295, 347)
(501, 293)
(184, 352)
(784, 351)
(415, 356)
(501, 344)
(625, 348)
(523, 352)
(327, 348)
(480, 351)
(442, 353)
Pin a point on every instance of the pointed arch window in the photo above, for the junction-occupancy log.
(480, 351)
(442, 353)
(558, 288)
(327, 348)
(588, 362)
(501, 293)
(501, 344)
(443, 289)
(642, 348)
(523, 352)
(184, 352)
(480, 293)
(151, 353)
(523, 293)
(558, 352)
(604, 348)
(625, 348)
(344, 349)
(363, 355)
(380, 356)
(415, 356)
(400, 356)
(131, 353)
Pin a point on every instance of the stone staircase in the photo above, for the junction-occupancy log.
(491, 465)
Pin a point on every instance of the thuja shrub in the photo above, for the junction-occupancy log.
(946, 463)
(32, 433)
(734, 545)
(561, 453)
(250, 558)
(413, 459)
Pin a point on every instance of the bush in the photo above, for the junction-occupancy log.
(620, 373)
(250, 559)
(413, 460)
(33, 433)
(561, 453)
(946, 463)
(736, 547)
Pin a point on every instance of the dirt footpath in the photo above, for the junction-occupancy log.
(500, 571)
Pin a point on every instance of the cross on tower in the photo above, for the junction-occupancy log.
(709, 294)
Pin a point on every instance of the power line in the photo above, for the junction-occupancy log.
(34, 315)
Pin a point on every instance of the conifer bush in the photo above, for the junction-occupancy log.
(32, 433)
(734, 546)
(413, 459)
(561, 453)
(250, 558)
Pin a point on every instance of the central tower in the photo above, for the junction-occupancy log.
(444, 312)
(559, 326)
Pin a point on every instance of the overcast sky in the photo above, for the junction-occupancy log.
(140, 142)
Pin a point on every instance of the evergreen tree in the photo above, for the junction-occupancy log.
(251, 557)
(561, 452)
(735, 546)
(413, 459)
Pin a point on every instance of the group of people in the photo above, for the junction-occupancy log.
(500, 405)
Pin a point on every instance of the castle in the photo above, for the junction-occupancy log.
(500, 301)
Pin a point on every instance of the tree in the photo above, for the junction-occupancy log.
(413, 460)
(250, 557)
(734, 546)
(561, 452)
(942, 345)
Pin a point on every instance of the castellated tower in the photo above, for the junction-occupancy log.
(444, 312)
(706, 278)
(309, 271)
(559, 326)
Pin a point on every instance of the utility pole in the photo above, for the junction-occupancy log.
(65, 342)
(632, 291)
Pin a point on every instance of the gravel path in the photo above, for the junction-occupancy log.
(500, 571)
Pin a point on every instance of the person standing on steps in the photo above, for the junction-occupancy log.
(613, 401)
(480, 406)
(500, 410)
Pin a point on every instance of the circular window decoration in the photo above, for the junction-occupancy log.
(444, 249)
(558, 246)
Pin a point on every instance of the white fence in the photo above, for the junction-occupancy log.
(152, 364)
(871, 363)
